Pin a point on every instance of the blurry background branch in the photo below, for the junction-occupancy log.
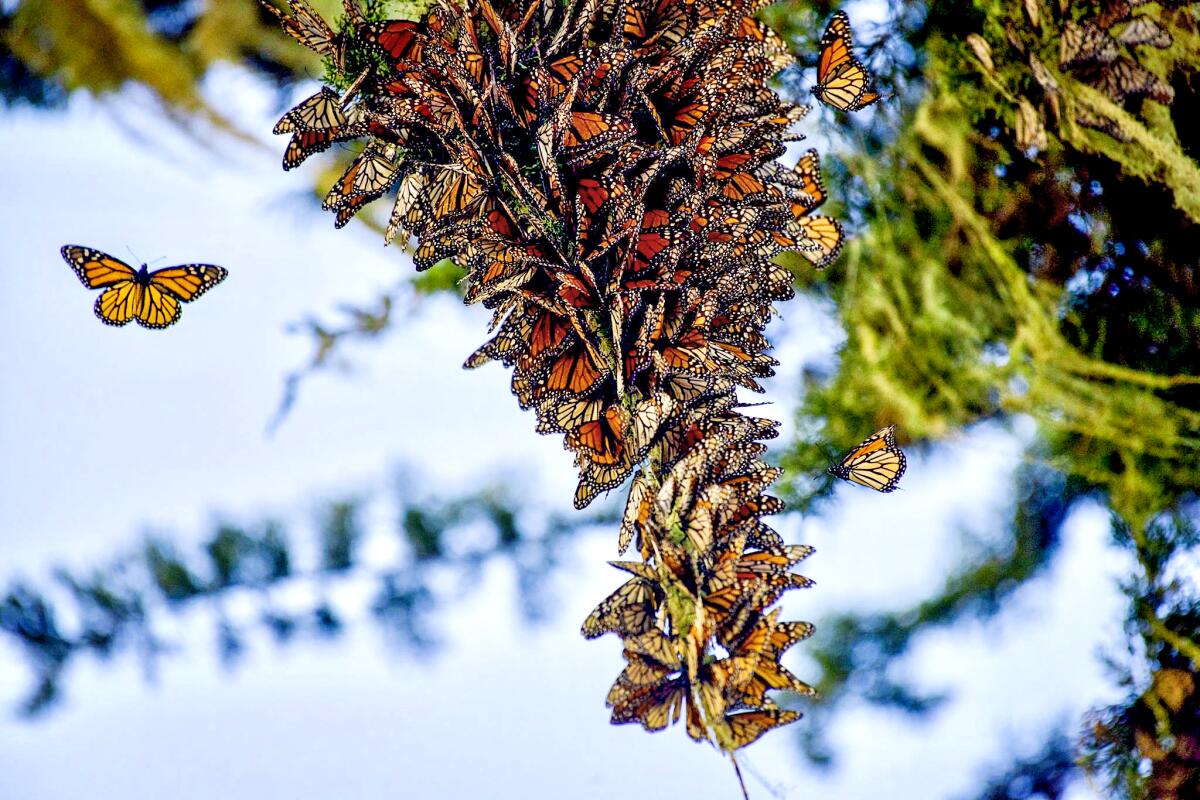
(258, 578)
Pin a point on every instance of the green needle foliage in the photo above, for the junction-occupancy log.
(122, 607)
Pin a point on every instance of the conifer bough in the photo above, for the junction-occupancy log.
(605, 170)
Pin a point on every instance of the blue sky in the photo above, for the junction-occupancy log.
(106, 433)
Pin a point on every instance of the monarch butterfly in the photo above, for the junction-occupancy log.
(1085, 44)
(573, 373)
(1144, 30)
(806, 176)
(371, 174)
(875, 463)
(320, 112)
(152, 298)
(306, 142)
(842, 80)
(629, 610)
(399, 40)
(588, 129)
(747, 727)
(823, 232)
(1126, 78)
(309, 29)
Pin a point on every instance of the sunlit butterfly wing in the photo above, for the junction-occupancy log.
(96, 269)
(842, 80)
(875, 463)
(322, 111)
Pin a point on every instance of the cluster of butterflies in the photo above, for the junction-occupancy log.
(1099, 52)
(705, 548)
(606, 171)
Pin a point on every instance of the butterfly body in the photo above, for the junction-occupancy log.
(876, 462)
(153, 299)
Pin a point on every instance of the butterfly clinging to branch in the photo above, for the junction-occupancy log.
(151, 298)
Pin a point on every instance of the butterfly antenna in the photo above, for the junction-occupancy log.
(741, 781)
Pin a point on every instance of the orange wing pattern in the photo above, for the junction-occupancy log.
(151, 298)
(842, 80)
(876, 463)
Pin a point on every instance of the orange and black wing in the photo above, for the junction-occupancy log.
(96, 269)
(122, 297)
(159, 305)
(188, 281)
(836, 43)
(875, 463)
(842, 80)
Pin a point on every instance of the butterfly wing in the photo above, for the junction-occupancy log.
(159, 304)
(158, 308)
(96, 269)
(842, 80)
(822, 237)
(747, 727)
(187, 281)
(835, 46)
(876, 463)
(845, 86)
(119, 303)
(320, 112)
(307, 27)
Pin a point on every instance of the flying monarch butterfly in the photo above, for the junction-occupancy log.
(842, 80)
(875, 463)
(151, 298)
(823, 232)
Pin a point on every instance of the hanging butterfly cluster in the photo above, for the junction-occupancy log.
(1102, 47)
(1100, 52)
(606, 172)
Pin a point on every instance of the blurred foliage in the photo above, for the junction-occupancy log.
(1159, 721)
(1046, 774)
(51, 48)
(441, 546)
(1009, 260)
(860, 655)
(992, 277)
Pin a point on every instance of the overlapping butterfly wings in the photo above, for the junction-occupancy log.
(458, 208)
(1100, 52)
(744, 568)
